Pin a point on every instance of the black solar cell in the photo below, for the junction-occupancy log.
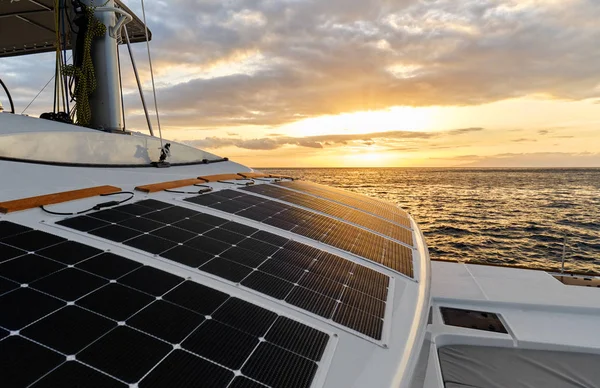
(73, 374)
(7, 252)
(367, 204)
(69, 330)
(181, 368)
(125, 353)
(7, 285)
(32, 240)
(298, 338)
(359, 321)
(267, 362)
(221, 343)
(24, 306)
(141, 328)
(328, 230)
(69, 252)
(166, 321)
(245, 316)
(8, 229)
(188, 256)
(244, 382)
(23, 361)
(196, 297)
(151, 280)
(268, 285)
(28, 268)
(69, 284)
(103, 300)
(109, 265)
(338, 210)
(226, 269)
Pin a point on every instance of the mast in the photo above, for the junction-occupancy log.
(105, 101)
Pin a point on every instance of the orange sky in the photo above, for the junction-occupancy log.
(368, 82)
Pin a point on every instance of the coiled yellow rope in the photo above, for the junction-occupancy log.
(85, 75)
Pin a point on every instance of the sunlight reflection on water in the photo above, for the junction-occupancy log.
(506, 216)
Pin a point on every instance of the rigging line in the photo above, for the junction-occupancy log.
(40, 92)
(139, 84)
(64, 11)
(152, 76)
(121, 85)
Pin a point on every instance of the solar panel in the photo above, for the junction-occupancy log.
(105, 321)
(264, 262)
(368, 204)
(315, 226)
(348, 214)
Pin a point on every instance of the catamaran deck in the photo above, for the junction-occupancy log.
(214, 275)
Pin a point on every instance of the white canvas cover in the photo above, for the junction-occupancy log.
(495, 367)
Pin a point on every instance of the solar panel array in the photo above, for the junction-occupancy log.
(75, 316)
(334, 209)
(312, 225)
(311, 279)
(359, 201)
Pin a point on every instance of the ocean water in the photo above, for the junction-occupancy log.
(500, 216)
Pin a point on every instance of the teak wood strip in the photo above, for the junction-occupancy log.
(220, 177)
(152, 188)
(50, 199)
(253, 175)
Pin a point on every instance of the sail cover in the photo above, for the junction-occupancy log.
(27, 26)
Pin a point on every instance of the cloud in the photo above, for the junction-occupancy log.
(523, 140)
(320, 141)
(267, 63)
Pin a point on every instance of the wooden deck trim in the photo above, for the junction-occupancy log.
(154, 187)
(220, 177)
(250, 175)
(51, 199)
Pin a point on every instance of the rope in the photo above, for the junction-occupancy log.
(85, 75)
(152, 77)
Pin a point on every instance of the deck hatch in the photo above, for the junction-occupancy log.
(314, 226)
(470, 319)
(264, 262)
(346, 213)
(135, 324)
(362, 202)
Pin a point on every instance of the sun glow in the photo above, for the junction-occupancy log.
(393, 119)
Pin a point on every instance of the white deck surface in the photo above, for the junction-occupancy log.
(351, 359)
(539, 311)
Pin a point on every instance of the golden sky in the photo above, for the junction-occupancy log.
(367, 83)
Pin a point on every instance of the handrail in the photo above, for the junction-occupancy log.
(10, 100)
(124, 19)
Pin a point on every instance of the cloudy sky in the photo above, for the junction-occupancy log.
(368, 82)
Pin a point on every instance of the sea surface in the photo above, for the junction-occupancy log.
(500, 216)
